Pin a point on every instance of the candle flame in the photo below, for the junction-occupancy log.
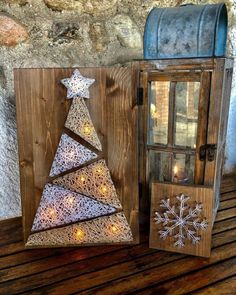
(175, 169)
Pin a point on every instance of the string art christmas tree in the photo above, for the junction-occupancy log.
(80, 205)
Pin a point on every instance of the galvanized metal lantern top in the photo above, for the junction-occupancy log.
(186, 31)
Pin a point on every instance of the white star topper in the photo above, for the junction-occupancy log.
(77, 85)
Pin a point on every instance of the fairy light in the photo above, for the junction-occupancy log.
(51, 212)
(82, 178)
(71, 200)
(104, 189)
(79, 234)
(114, 229)
(87, 130)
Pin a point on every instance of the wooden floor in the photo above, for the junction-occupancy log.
(121, 269)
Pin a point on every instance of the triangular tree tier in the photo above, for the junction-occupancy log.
(79, 121)
(60, 206)
(70, 154)
(108, 229)
(93, 180)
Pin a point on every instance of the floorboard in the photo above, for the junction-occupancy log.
(122, 269)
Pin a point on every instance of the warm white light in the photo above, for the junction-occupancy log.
(79, 234)
(82, 178)
(175, 169)
(104, 189)
(153, 110)
(87, 130)
(71, 200)
(114, 228)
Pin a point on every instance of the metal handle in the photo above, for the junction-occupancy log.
(207, 150)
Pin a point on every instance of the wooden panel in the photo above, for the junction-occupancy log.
(197, 194)
(214, 116)
(179, 64)
(41, 113)
(202, 126)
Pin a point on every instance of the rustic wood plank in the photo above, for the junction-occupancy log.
(229, 213)
(224, 225)
(203, 109)
(227, 204)
(196, 280)
(198, 194)
(225, 287)
(41, 113)
(214, 117)
(139, 259)
(228, 184)
(178, 64)
(154, 275)
(219, 238)
(121, 113)
(228, 196)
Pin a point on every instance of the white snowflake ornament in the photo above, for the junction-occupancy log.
(77, 85)
(182, 222)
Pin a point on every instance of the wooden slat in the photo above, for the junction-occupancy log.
(219, 238)
(141, 258)
(179, 64)
(224, 225)
(229, 213)
(225, 287)
(227, 204)
(228, 184)
(228, 196)
(202, 125)
(197, 280)
(154, 275)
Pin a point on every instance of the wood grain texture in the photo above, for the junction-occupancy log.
(133, 269)
(197, 194)
(42, 109)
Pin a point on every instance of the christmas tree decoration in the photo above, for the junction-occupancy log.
(93, 180)
(81, 206)
(70, 154)
(77, 85)
(59, 206)
(107, 229)
(79, 121)
(182, 222)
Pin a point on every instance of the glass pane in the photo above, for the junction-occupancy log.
(183, 168)
(158, 112)
(171, 167)
(160, 166)
(186, 117)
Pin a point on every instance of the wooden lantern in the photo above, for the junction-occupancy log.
(183, 131)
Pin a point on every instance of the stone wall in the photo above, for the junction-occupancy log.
(70, 33)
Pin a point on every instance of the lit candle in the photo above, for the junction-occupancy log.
(175, 174)
(180, 176)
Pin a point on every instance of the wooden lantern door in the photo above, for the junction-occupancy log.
(181, 150)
